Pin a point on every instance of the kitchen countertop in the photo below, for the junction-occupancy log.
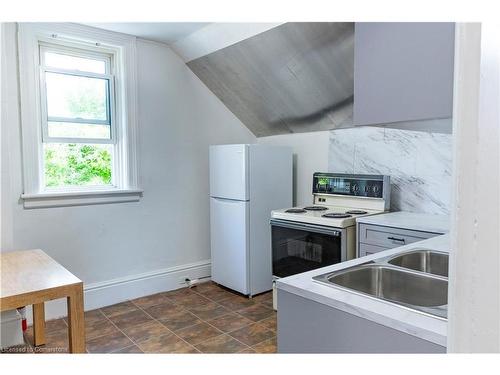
(409, 220)
(427, 327)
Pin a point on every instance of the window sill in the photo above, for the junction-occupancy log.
(80, 198)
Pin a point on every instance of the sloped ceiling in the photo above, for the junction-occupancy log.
(296, 77)
(164, 32)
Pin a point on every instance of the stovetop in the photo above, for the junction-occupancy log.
(332, 216)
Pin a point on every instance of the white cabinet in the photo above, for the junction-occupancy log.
(403, 71)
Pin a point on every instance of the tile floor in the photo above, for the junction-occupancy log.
(203, 319)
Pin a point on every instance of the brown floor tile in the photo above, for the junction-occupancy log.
(230, 322)
(209, 285)
(268, 303)
(214, 292)
(247, 351)
(252, 334)
(57, 340)
(109, 343)
(55, 325)
(168, 343)
(267, 346)
(267, 296)
(180, 320)
(145, 331)
(236, 302)
(191, 300)
(270, 323)
(153, 300)
(256, 312)
(198, 333)
(185, 311)
(164, 310)
(98, 328)
(56, 335)
(217, 295)
(132, 349)
(93, 316)
(131, 319)
(118, 309)
(208, 311)
(179, 293)
(221, 344)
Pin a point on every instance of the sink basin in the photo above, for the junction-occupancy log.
(418, 291)
(394, 285)
(423, 260)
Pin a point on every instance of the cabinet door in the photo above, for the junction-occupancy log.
(403, 71)
(365, 249)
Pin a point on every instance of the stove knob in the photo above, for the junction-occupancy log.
(376, 189)
(355, 188)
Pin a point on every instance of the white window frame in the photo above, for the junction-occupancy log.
(122, 49)
(107, 57)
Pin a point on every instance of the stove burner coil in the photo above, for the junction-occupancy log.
(356, 212)
(335, 215)
(295, 211)
(315, 208)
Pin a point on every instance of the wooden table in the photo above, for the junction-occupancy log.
(31, 277)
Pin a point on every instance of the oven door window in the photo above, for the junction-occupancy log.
(297, 250)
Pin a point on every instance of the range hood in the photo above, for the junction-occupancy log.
(296, 77)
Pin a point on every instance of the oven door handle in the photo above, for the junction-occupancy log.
(304, 226)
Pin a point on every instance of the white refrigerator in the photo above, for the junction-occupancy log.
(247, 182)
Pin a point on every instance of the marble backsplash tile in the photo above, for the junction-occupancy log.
(419, 163)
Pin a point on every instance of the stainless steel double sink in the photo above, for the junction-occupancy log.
(417, 279)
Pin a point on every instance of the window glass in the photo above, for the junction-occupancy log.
(70, 164)
(62, 61)
(78, 130)
(76, 97)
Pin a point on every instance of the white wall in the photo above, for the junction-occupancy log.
(216, 36)
(474, 292)
(310, 155)
(178, 119)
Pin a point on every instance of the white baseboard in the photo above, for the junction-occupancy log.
(124, 288)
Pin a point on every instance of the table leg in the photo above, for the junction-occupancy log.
(76, 323)
(39, 324)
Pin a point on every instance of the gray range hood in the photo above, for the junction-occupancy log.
(297, 77)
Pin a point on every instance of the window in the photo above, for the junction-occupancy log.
(78, 112)
(77, 99)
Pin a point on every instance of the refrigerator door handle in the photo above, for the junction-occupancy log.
(228, 200)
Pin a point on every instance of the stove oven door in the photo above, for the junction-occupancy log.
(299, 247)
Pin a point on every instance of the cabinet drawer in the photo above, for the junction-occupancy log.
(390, 237)
(365, 249)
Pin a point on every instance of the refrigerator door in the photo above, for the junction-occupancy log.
(229, 172)
(229, 243)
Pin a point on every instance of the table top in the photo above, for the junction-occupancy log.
(29, 271)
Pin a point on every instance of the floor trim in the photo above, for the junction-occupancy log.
(117, 290)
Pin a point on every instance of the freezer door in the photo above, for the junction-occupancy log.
(229, 172)
(229, 243)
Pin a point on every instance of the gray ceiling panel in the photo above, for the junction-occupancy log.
(297, 77)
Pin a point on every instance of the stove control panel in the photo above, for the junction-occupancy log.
(369, 186)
